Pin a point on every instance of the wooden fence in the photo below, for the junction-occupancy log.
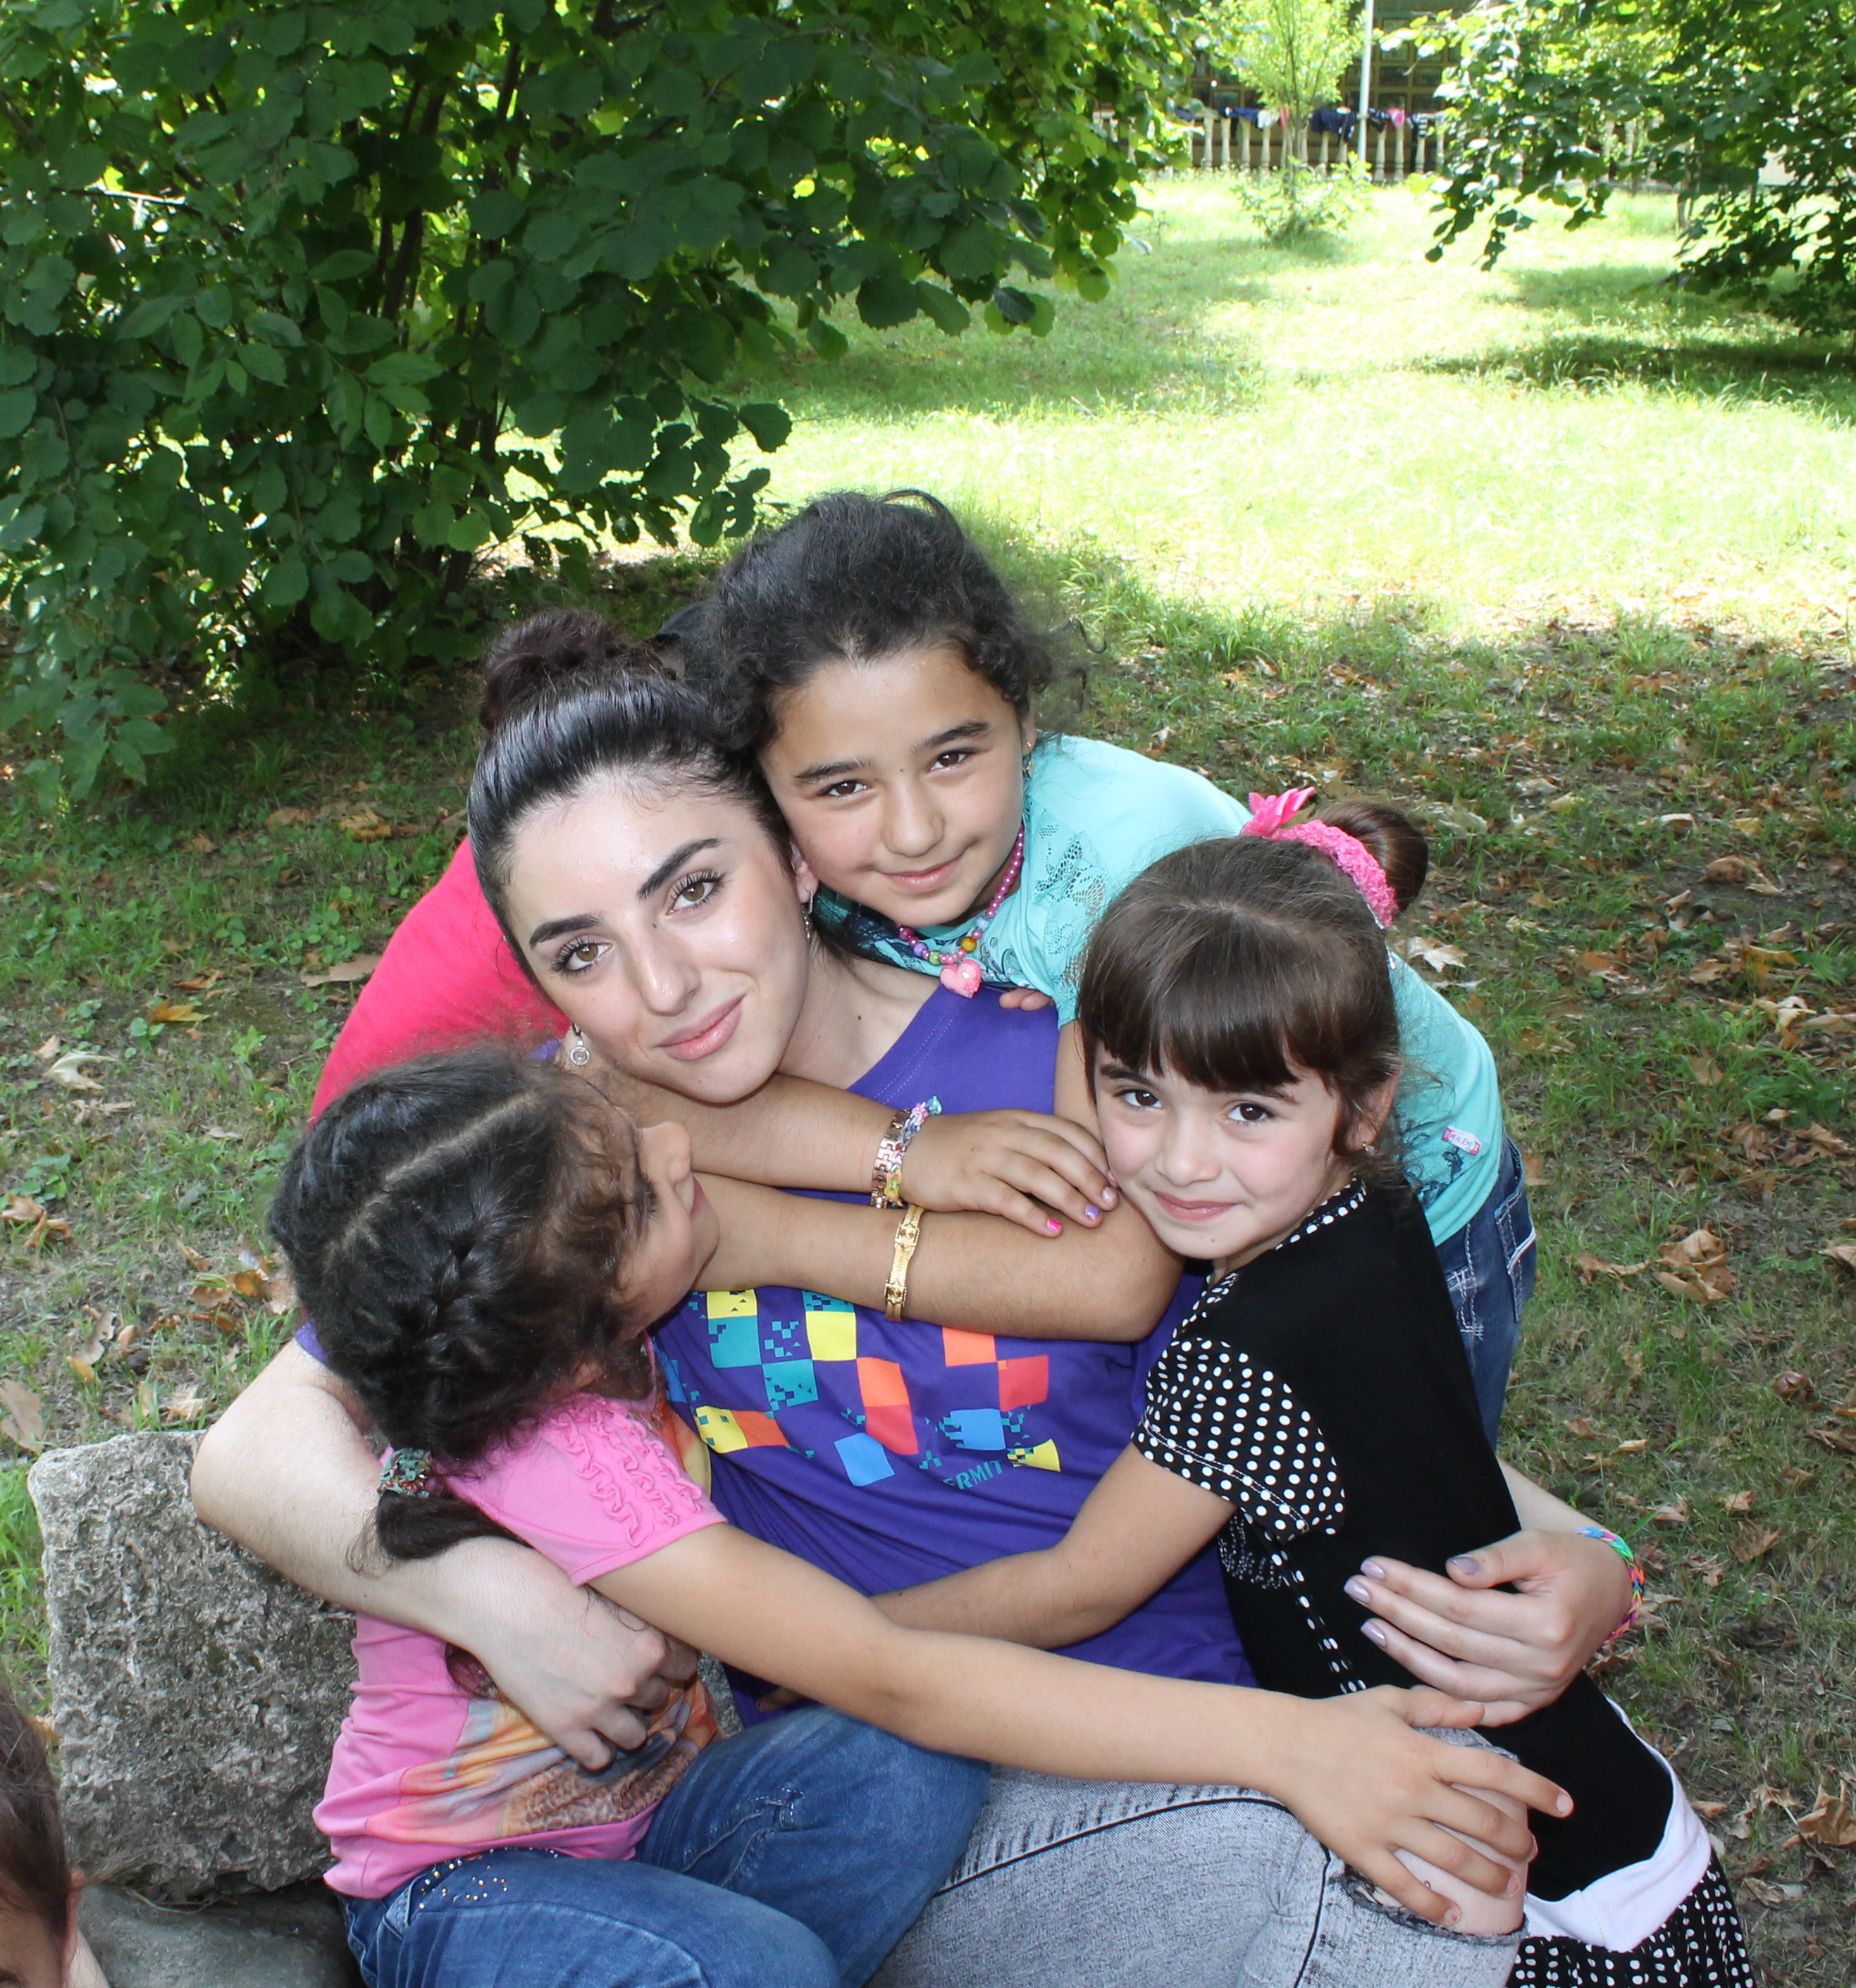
(1235, 145)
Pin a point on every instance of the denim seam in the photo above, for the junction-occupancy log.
(1005, 1863)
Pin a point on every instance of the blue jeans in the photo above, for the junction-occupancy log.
(1489, 1265)
(792, 1856)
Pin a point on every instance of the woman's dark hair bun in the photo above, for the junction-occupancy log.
(531, 658)
(1395, 842)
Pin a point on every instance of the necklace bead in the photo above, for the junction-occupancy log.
(959, 971)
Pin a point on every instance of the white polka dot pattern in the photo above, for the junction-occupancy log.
(1215, 1420)
(1700, 1945)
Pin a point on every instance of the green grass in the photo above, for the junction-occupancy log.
(1479, 674)
(1346, 419)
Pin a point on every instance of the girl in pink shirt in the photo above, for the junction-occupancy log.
(483, 1240)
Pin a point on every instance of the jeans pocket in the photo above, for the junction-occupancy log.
(1367, 1895)
(1514, 1226)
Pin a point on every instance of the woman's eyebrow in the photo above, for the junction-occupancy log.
(673, 863)
(554, 928)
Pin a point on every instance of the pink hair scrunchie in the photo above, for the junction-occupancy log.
(1270, 813)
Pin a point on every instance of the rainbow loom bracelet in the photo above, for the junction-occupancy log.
(1626, 1552)
(886, 1176)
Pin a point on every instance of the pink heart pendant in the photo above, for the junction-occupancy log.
(964, 976)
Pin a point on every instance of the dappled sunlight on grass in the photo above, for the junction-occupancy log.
(1248, 422)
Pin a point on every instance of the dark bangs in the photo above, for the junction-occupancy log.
(1238, 965)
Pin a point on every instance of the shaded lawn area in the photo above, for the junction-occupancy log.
(1644, 892)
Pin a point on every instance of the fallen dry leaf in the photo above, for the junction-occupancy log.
(1843, 1440)
(1791, 1387)
(48, 1048)
(185, 1404)
(1533, 1170)
(69, 1070)
(359, 968)
(91, 1349)
(1841, 1252)
(1709, 972)
(1635, 1447)
(365, 825)
(41, 1225)
(21, 1418)
(177, 1013)
(1705, 1069)
(1708, 1289)
(201, 983)
(1763, 1893)
(1590, 1267)
(1737, 1501)
(1708, 1810)
(84, 1369)
(200, 845)
(1827, 1142)
(1674, 1513)
(288, 818)
(1831, 1822)
(1433, 953)
(1696, 1267)
(128, 1337)
(1581, 1426)
(1751, 1541)
(1707, 1568)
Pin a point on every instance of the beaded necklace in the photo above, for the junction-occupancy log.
(960, 970)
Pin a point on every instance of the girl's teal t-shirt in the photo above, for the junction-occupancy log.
(1095, 816)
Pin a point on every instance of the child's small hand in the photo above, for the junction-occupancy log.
(1028, 998)
(1360, 1778)
(1006, 1163)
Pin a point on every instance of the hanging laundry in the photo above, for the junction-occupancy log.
(1249, 116)
(1331, 118)
(1266, 119)
(1397, 117)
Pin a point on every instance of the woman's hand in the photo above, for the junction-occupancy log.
(1008, 1163)
(1513, 1652)
(1028, 998)
(1361, 1778)
(588, 1673)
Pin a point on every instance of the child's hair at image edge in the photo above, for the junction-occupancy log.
(457, 1228)
(1235, 964)
(35, 1878)
(857, 579)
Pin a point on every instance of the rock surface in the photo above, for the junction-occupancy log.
(195, 1693)
(292, 1940)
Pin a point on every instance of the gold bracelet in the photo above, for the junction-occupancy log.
(908, 1233)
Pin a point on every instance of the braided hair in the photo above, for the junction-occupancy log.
(458, 1227)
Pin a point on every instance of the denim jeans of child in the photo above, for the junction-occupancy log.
(1489, 1265)
(791, 1856)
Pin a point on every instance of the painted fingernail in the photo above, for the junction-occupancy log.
(1053, 1229)
(1451, 1916)
(1093, 1212)
(1463, 1563)
(1374, 1634)
(1357, 1589)
(1372, 1570)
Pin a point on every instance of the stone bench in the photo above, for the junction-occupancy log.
(195, 1695)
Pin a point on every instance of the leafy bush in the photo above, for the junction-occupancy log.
(1298, 201)
(1749, 108)
(306, 306)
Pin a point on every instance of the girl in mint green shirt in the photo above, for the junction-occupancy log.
(869, 655)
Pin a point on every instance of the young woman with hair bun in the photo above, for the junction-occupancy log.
(888, 1395)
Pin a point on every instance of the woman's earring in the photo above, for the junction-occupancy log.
(579, 1053)
(805, 914)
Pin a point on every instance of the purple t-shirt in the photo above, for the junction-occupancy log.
(891, 1454)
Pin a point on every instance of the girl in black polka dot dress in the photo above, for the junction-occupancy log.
(1316, 1408)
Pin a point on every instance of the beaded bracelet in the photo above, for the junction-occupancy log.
(886, 1176)
(1625, 1551)
(896, 1292)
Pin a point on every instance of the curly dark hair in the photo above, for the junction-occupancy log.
(1234, 964)
(459, 1228)
(856, 579)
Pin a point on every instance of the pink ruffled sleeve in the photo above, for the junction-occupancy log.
(592, 1487)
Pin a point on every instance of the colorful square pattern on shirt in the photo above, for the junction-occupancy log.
(787, 1353)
